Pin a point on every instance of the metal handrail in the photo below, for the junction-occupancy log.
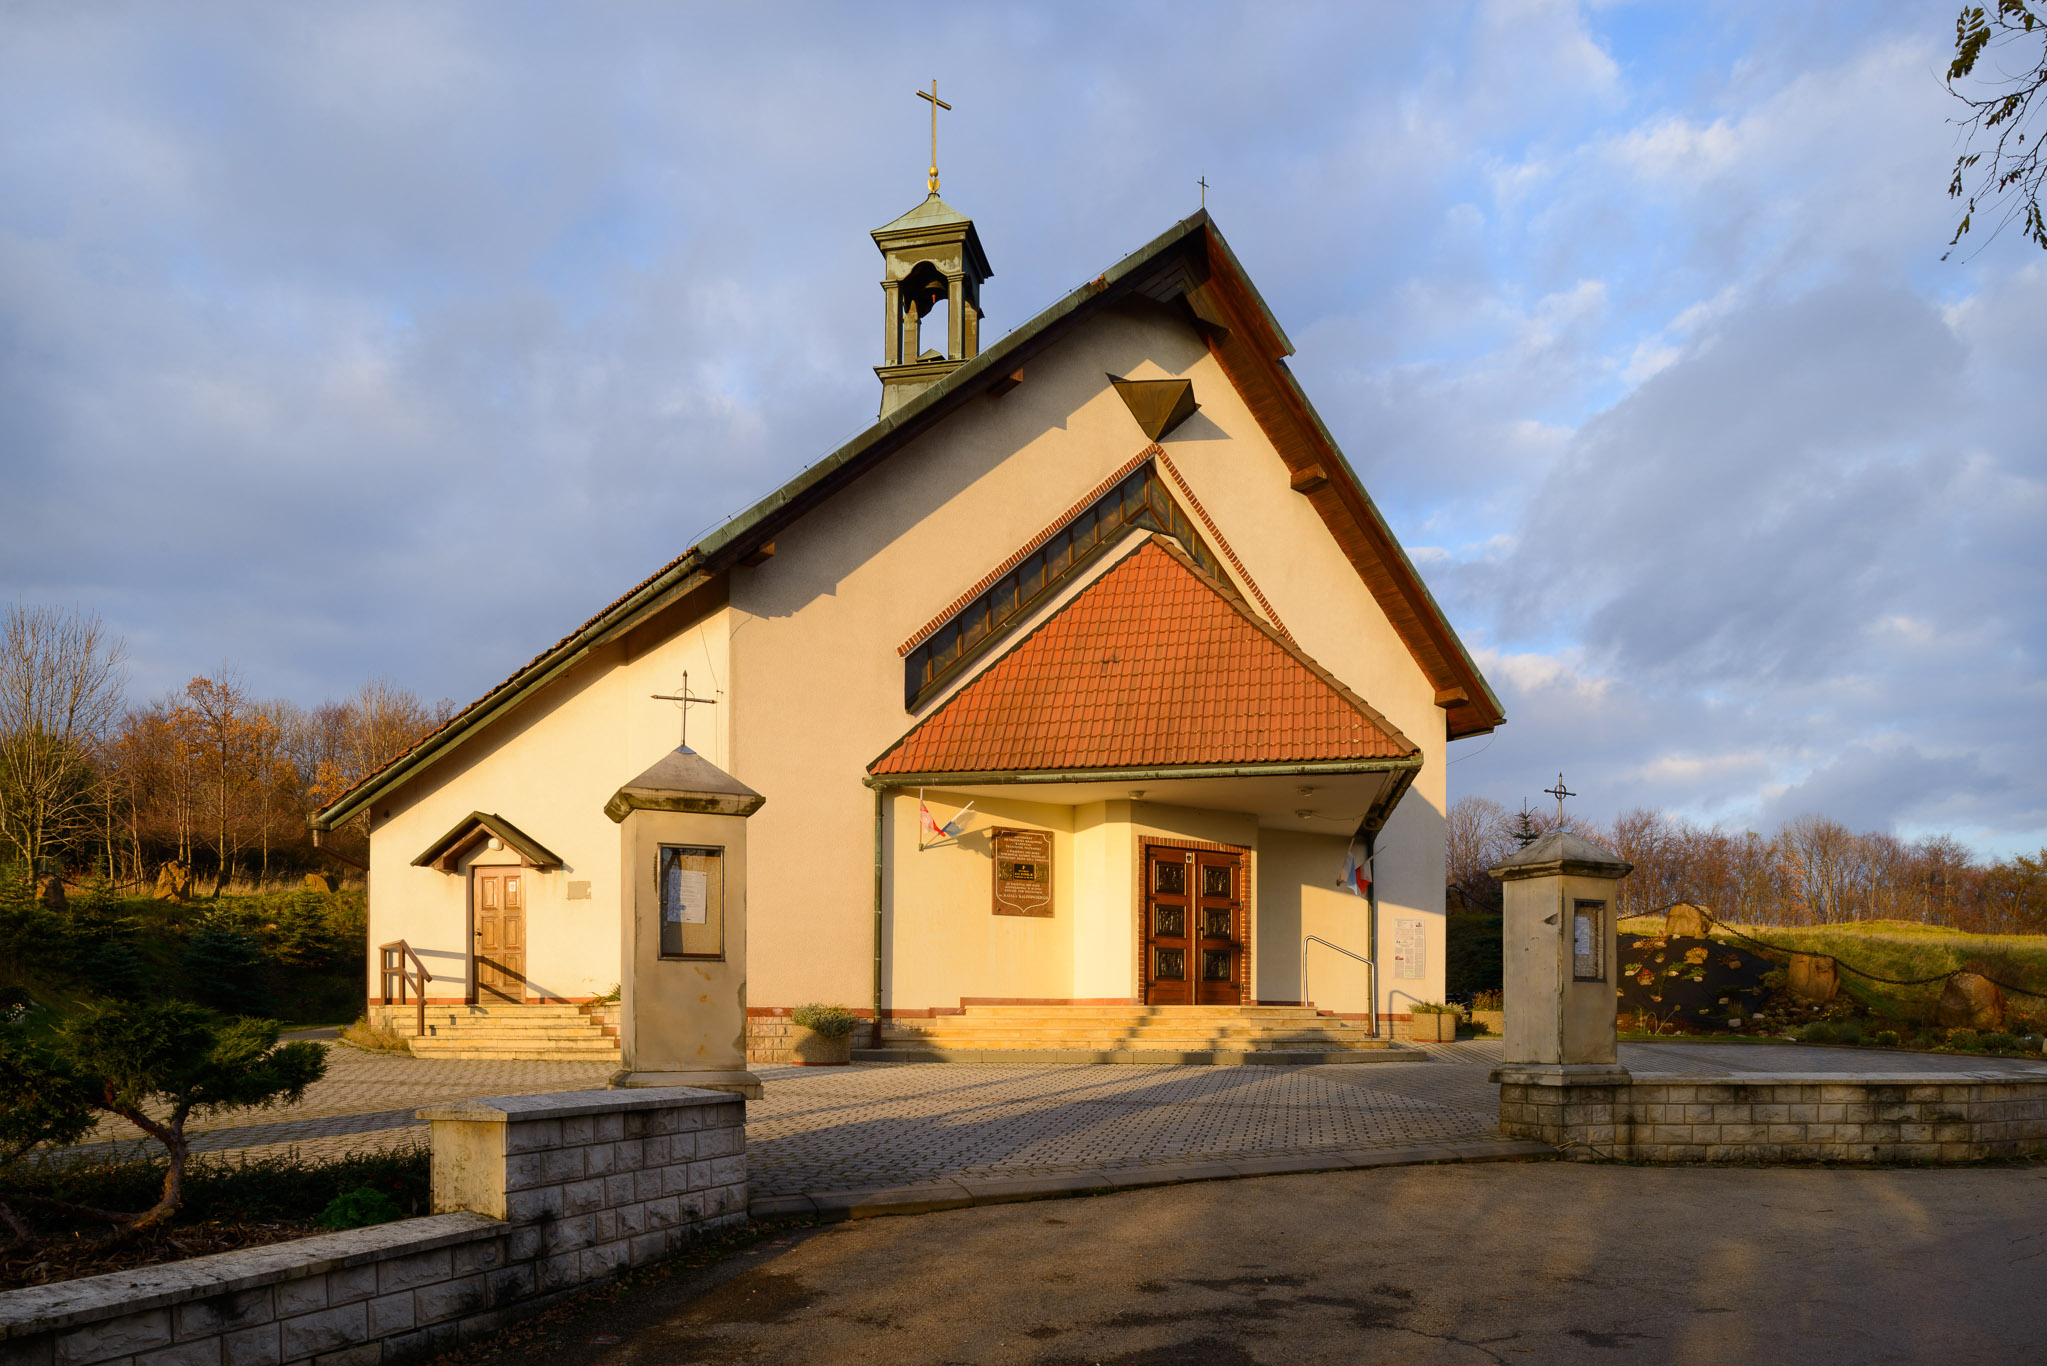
(418, 979)
(1306, 999)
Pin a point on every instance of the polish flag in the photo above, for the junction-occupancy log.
(1357, 870)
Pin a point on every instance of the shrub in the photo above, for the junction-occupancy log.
(1488, 1000)
(284, 1188)
(1819, 1031)
(114, 969)
(359, 1208)
(224, 967)
(1886, 1038)
(832, 1022)
(1433, 1008)
(1964, 1038)
(1999, 1042)
(157, 1065)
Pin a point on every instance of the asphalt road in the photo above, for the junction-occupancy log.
(1518, 1263)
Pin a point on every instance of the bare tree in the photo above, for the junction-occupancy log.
(1477, 840)
(60, 691)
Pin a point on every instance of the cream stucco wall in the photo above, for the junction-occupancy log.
(940, 927)
(819, 684)
(548, 770)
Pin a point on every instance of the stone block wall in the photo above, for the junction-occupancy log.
(1784, 1117)
(768, 1033)
(534, 1196)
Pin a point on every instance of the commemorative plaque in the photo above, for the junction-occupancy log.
(1023, 872)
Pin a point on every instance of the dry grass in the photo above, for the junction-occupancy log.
(374, 1038)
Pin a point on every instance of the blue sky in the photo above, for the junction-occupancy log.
(359, 338)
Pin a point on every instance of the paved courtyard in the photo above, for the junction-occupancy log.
(877, 1125)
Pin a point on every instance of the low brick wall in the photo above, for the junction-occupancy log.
(768, 1036)
(535, 1196)
(1782, 1117)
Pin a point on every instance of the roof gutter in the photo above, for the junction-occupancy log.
(1404, 764)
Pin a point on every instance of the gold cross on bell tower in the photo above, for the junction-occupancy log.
(936, 105)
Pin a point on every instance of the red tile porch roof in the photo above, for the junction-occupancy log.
(1153, 665)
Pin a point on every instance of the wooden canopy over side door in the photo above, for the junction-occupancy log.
(498, 906)
(1194, 926)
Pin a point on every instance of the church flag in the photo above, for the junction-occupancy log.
(930, 831)
(1357, 870)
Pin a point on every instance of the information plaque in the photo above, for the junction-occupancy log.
(1023, 872)
(1410, 950)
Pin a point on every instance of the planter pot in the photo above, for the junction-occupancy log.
(808, 1048)
(1433, 1028)
(1492, 1021)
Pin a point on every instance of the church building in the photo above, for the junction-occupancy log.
(1085, 694)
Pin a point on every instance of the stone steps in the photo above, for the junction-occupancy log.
(1126, 1033)
(531, 1033)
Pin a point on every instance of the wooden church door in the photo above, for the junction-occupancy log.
(1194, 927)
(500, 902)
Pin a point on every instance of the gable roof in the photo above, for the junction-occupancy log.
(473, 829)
(1154, 665)
(1189, 264)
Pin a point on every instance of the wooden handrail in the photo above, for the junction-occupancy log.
(417, 979)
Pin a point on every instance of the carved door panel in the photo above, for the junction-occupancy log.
(500, 911)
(1169, 938)
(1219, 928)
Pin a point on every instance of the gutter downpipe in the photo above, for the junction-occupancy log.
(880, 799)
(1372, 924)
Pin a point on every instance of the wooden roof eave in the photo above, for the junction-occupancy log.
(1252, 350)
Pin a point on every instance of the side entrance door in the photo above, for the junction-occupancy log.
(1194, 927)
(499, 906)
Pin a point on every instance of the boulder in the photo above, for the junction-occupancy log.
(1970, 1002)
(1686, 921)
(1814, 977)
(173, 882)
(52, 894)
(321, 882)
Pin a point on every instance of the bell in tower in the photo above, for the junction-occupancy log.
(930, 255)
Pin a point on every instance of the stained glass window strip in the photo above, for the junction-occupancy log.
(1140, 500)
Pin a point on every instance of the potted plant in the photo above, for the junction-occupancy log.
(1432, 1022)
(823, 1037)
(1488, 1013)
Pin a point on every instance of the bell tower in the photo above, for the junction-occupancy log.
(930, 255)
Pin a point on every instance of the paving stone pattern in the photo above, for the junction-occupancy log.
(851, 1128)
(365, 1102)
(876, 1125)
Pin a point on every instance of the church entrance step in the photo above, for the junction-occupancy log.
(515, 1032)
(1144, 1056)
(1169, 1032)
